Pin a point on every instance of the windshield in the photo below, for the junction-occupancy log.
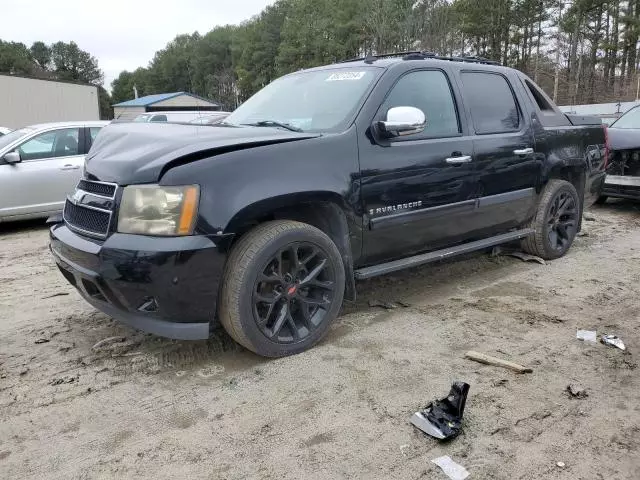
(631, 119)
(321, 100)
(9, 138)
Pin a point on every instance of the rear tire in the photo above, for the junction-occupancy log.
(283, 286)
(555, 222)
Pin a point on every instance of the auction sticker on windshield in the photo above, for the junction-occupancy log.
(336, 77)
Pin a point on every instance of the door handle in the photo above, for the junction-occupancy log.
(458, 160)
(70, 167)
(523, 151)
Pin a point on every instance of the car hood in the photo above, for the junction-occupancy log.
(623, 138)
(128, 153)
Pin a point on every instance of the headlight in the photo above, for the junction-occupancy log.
(154, 210)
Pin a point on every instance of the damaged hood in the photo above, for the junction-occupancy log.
(624, 138)
(128, 153)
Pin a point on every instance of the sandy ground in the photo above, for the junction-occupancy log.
(145, 407)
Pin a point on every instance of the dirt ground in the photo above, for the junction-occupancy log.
(144, 407)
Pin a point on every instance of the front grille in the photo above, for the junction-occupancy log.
(98, 188)
(86, 220)
(89, 209)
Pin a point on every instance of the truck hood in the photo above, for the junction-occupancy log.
(624, 138)
(128, 153)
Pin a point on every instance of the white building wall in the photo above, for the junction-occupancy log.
(26, 101)
(127, 113)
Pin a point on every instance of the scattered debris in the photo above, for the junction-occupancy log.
(499, 383)
(65, 379)
(587, 335)
(59, 294)
(403, 448)
(561, 464)
(24, 372)
(107, 341)
(451, 468)
(589, 218)
(497, 362)
(443, 418)
(583, 233)
(525, 257)
(613, 341)
(388, 305)
(577, 391)
(42, 340)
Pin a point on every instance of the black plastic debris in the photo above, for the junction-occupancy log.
(443, 418)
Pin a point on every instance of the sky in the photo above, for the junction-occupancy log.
(121, 34)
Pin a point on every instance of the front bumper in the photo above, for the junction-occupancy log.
(621, 186)
(167, 286)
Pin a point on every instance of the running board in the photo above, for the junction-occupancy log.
(416, 260)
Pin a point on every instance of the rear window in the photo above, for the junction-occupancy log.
(491, 101)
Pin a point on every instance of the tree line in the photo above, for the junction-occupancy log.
(579, 51)
(59, 61)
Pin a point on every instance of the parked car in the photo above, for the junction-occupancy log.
(623, 168)
(211, 119)
(4, 131)
(323, 177)
(171, 117)
(40, 165)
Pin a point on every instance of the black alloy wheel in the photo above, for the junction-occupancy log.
(293, 292)
(556, 221)
(282, 288)
(562, 221)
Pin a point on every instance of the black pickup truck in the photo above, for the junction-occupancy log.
(265, 221)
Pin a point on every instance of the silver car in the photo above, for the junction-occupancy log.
(40, 165)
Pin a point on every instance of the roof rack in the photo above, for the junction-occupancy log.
(417, 55)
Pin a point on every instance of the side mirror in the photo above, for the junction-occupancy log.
(12, 157)
(402, 121)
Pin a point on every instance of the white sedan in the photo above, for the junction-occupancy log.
(40, 165)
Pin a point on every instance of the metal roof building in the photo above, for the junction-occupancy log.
(175, 101)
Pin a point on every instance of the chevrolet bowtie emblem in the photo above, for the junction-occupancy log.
(77, 196)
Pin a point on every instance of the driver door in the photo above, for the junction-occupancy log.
(50, 167)
(419, 191)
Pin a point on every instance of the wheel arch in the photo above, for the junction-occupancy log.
(322, 209)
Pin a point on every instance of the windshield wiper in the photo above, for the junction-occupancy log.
(274, 123)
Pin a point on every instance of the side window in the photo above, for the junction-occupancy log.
(59, 143)
(538, 96)
(93, 133)
(493, 107)
(429, 91)
(159, 118)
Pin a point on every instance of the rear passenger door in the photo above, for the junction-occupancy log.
(504, 151)
(418, 191)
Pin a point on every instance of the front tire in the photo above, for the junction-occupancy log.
(556, 221)
(283, 286)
